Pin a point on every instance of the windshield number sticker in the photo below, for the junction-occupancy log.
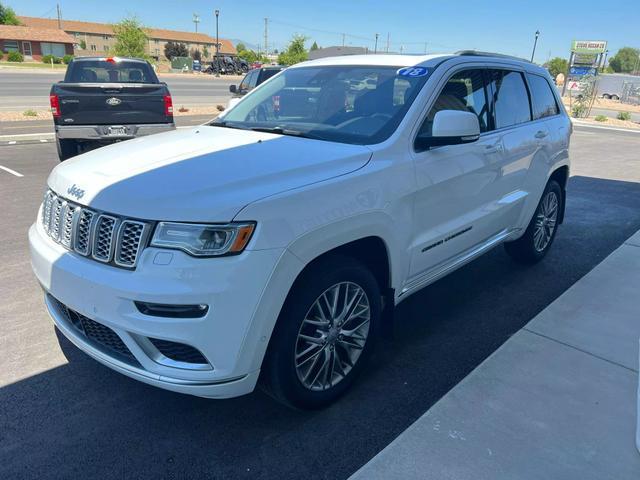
(413, 72)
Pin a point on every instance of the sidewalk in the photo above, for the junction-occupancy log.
(556, 401)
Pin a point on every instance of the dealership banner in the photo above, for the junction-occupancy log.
(588, 46)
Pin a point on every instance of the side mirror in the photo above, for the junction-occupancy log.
(450, 127)
(233, 88)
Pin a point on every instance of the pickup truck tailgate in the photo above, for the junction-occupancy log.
(111, 104)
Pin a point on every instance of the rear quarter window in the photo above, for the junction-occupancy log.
(542, 98)
(102, 71)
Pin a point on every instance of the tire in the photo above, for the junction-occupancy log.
(615, 97)
(541, 231)
(304, 374)
(606, 96)
(66, 149)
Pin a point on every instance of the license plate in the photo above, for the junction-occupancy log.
(116, 131)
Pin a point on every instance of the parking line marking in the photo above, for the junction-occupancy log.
(13, 142)
(12, 172)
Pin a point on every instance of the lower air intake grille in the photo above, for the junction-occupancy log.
(96, 333)
(179, 352)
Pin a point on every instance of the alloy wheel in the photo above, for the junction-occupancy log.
(332, 336)
(546, 220)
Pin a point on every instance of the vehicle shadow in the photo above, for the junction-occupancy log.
(84, 420)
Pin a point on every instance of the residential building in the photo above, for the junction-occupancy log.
(33, 43)
(99, 39)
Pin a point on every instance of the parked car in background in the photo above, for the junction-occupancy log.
(250, 81)
(107, 100)
(272, 244)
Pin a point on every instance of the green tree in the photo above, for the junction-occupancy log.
(205, 52)
(240, 48)
(196, 55)
(131, 38)
(557, 65)
(83, 44)
(314, 47)
(295, 51)
(8, 16)
(249, 55)
(625, 61)
(172, 50)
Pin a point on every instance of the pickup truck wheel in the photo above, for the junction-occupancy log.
(66, 148)
(537, 239)
(324, 335)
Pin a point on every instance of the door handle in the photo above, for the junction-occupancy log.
(541, 134)
(497, 148)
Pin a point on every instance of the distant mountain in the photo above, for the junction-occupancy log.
(250, 46)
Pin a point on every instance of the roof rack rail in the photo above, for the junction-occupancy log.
(478, 53)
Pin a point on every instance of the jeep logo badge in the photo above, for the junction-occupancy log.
(113, 101)
(75, 192)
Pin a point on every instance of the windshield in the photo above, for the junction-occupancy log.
(348, 104)
(105, 71)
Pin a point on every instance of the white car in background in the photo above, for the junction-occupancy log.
(273, 243)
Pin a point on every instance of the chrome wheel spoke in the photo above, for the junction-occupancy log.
(332, 336)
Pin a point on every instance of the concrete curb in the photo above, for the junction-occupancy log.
(556, 400)
(582, 123)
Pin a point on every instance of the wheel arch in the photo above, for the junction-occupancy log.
(561, 175)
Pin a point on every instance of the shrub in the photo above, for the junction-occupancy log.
(624, 116)
(601, 118)
(67, 59)
(48, 58)
(15, 57)
(30, 113)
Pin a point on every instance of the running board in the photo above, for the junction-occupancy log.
(443, 269)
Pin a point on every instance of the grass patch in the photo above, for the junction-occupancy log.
(624, 116)
(601, 118)
(30, 113)
(33, 65)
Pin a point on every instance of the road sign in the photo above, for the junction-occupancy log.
(573, 85)
(581, 71)
(588, 46)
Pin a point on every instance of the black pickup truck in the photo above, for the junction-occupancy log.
(107, 100)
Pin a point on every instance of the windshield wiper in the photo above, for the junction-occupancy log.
(285, 131)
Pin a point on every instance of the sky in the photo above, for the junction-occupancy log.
(504, 26)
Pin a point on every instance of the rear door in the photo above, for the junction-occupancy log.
(111, 93)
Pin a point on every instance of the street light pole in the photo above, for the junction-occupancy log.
(535, 42)
(375, 49)
(217, 46)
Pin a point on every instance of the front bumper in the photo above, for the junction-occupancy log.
(232, 336)
(101, 132)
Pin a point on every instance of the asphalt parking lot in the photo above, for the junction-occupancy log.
(63, 415)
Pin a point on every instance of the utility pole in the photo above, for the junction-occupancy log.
(343, 35)
(401, 49)
(387, 42)
(375, 49)
(59, 16)
(217, 12)
(196, 20)
(266, 36)
(425, 48)
(535, 42)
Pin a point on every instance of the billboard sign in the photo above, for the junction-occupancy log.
(576, 71)
(588, 46)
(585, 59)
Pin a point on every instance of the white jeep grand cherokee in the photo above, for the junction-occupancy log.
(268, 243)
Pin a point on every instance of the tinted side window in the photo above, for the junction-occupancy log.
(464, 91)
(253, 78)
(510, 98)
(542, 98)
(244, 85)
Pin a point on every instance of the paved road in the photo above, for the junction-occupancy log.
(23, 90)
(63, 415)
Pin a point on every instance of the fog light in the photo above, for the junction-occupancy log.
(172, 311)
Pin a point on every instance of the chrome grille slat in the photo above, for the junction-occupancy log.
(130, 236)
(102, 237)
(102, 245)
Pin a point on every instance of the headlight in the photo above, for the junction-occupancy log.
(203, 240)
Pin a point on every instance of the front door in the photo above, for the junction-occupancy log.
(26, 49)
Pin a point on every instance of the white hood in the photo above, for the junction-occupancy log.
(203, 174)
